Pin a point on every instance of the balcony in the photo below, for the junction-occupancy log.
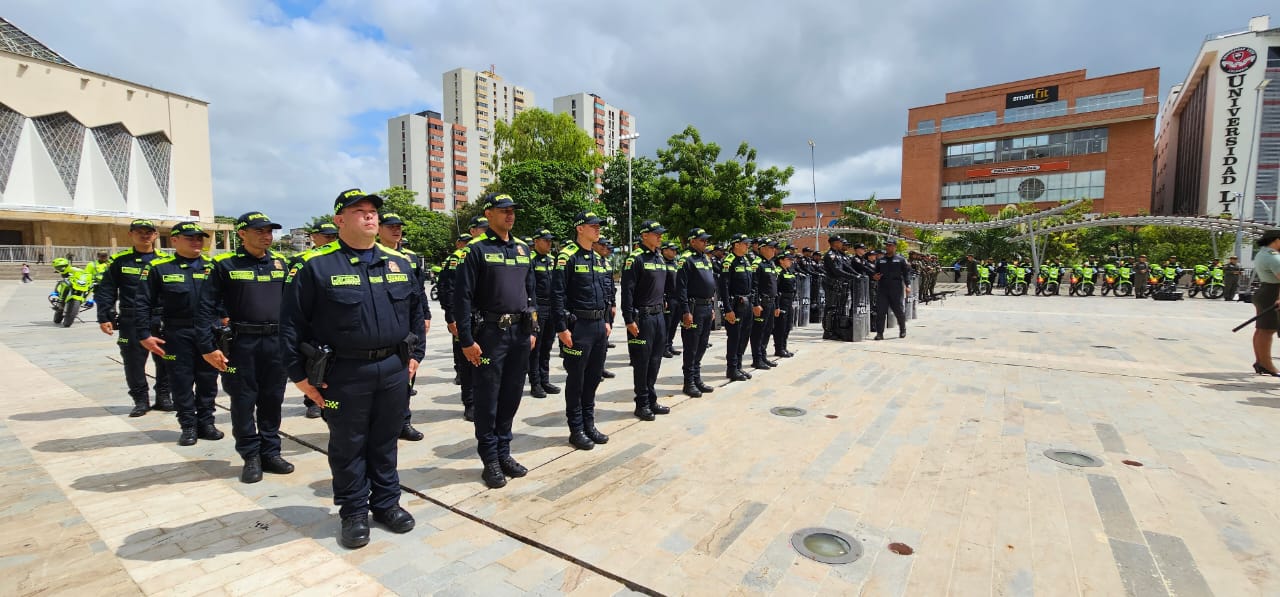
(1071, 111)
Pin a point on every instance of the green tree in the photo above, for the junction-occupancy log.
(644, 192)
(856, 219)
(550, 194)
(426, 232)
(539, 135)
(991, 243)
(723, 197)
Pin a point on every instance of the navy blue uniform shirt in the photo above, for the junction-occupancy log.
(495, 276)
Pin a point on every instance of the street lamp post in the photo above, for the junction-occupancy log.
(630, 153)
(813, 175)
(1248, 164)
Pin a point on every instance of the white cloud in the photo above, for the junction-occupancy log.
(853, 177)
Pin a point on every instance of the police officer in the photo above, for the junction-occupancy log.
(604, 248)
(581, 317)
(391, 235)
(838, 276)
(644, 281)
(893, 273)
(737, 288)
(764, 307)
(322, 234)
(120, 282)
(1141, 275)
(787, 289)
(168, 295)
(355, 302)
(495, 303)
(695, 296)
(463, 370)
(246, 286)
(540, 358)
(670, 252)
(1231, 278)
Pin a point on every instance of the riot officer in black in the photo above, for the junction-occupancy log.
(355, 301)
(695, 296)
(120, 282)
(669, 254)
(495, 303)
(247, 286)
(322, 234)
(764, 308)
(839, 275)
(168, 294)
(893, 275)
(644, 281)
(787, 289)
(582, 319)
(540, 357)
(391, 235)
(737, 289)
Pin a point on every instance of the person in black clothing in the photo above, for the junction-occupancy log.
(604, 248)
(695, 295)
(357, 300)
(764, 308)
(971, 271)
(495, 302)
(669, 254)
(463, 370)
(787, 289)
(582, 319)
(321, 235)
(644, 281)
(247, 287)
(737, 287)
(391, 235)
(1231, 278)
(120, 282)
(1141, 275)
(893, 274)
(168, 293)
(540, 358)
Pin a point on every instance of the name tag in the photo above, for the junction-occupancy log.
(522, 259)
(493, 257)
(701, 265)
(241, 274)
(582, 268)
(277, 273)
(540, 268)
(264, 278)
(169, 278)
(396, 278)
(199, 276)
(133, 271)
(344, 280)
(654, 266)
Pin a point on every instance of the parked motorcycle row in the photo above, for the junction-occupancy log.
(1108, 280)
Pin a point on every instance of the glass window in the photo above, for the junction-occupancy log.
(925, 127)
(1095, 192)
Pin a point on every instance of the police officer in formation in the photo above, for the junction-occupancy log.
(540, 359)
(354, 302)
(893, 273)
(494, 302)
(120, 283)
(582, 320)
(737, 290)
(322, 234)
(168, 296)
(644, 281)
(787, 289)
(695, 295)
(463, 370)
(764, 306)
(246, 287)
(391, 235)
(670, 253)
(604, 248)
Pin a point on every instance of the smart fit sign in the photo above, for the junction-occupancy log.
(1031, 97)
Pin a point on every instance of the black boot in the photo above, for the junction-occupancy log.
(760, 365)
(691, 390)
(676, 351)
(252, 471)
(140, 407)
(493, 476)
(607, 374)
(536, 390)
(511, 468)
(744, 374)
(659, 409)
(736, 376)
(409, 433)
(902, 333)
(469, 412)
(163, 403)
(209, 432)
(551, 388)
(276, 465)
(580, 440)
(706, 389)
(395, 518)
(355, 531)
(644, 414)
(879, 337)
(594, 434)
(188, 437)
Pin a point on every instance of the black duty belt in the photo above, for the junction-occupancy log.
(495, 318)
(702, 301)
(589, 314)
(739, 298)
(650, 310)
(766, 301)
(786, 296)
(376, 354)
(174, 324)
(256, 329)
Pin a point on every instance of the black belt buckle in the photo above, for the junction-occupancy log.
(506, 320)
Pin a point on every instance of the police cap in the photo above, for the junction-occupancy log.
(586, 218)
(141, 225)
(464, 237)
(255, 219)
(497, 201)
(390, 219)
(698, 234)
(739, 238)
(188, 229)
(544, 234)
(351, 197)
(325, 228)
(652, 226)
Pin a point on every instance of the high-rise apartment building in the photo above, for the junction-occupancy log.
(605, 123)
(477, 100)
(428, 155)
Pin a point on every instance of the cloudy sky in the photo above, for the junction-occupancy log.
(300, 90)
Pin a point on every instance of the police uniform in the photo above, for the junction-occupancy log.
(895, 274)
(607, 245)
(249, 290)
(669, 313)
(1231, 280)
(120, 282)
(1141, 276)
(463, 371)
(326, 228)
(407, 432)
(364, 307)
(788, 286)
(695, 296)
(580, 305)
(737, 287)
(540, 358)
(644, 282)
(494, 301)
(168, 296)
(766, 298)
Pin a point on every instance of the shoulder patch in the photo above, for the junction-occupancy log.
(223, 256)
(162, 259)
(476, 240)
(121, 253)
(390, 251)
(321, 250)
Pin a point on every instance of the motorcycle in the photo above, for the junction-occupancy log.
(984, 279)
(1124, 287)
(71, 296)
(1199, 281)
(1215, 288)
(1017, 285)
(1082, 281)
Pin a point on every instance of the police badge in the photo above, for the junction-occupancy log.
(393, 266)
(520, 250)
(277, 264)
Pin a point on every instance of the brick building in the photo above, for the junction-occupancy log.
(1062, 136)
(827, 214)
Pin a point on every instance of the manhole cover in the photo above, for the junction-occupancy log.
(787, 411)
(828, 546)
(901, 549)
(1104, 346)
(1072, 458)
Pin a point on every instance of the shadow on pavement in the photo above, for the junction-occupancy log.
(83, 412)
(1264, 402)
(230, 533)
(108, 440)
(1224, 375)
(192, 471)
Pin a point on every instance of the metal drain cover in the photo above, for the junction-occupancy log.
(1072, 458)
(787, 411)
(828, 546)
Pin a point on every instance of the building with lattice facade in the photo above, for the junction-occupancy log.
(82, 153)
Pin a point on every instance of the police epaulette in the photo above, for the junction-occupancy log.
(321, 250)
(223, 256)
(389, 250)
(477, 239)
(520, 240)
(636, 252)
(162, 259)
(121, 253)
(276, 254)
(569, 250)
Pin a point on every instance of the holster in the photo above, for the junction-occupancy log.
(223, 336)
(406, 348)
(318, 361)
(529, 323)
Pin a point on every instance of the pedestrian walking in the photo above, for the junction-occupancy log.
(26, 273)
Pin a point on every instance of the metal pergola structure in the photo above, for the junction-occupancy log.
(973, 226)
(805, 232)
(1209, 224)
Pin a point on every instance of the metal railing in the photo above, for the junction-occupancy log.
(1113, 105)
(37, 254)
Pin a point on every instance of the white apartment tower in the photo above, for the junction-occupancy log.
(476, 100)
(605, 123)
(428, 155)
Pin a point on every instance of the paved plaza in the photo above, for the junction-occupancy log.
(935, 441)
